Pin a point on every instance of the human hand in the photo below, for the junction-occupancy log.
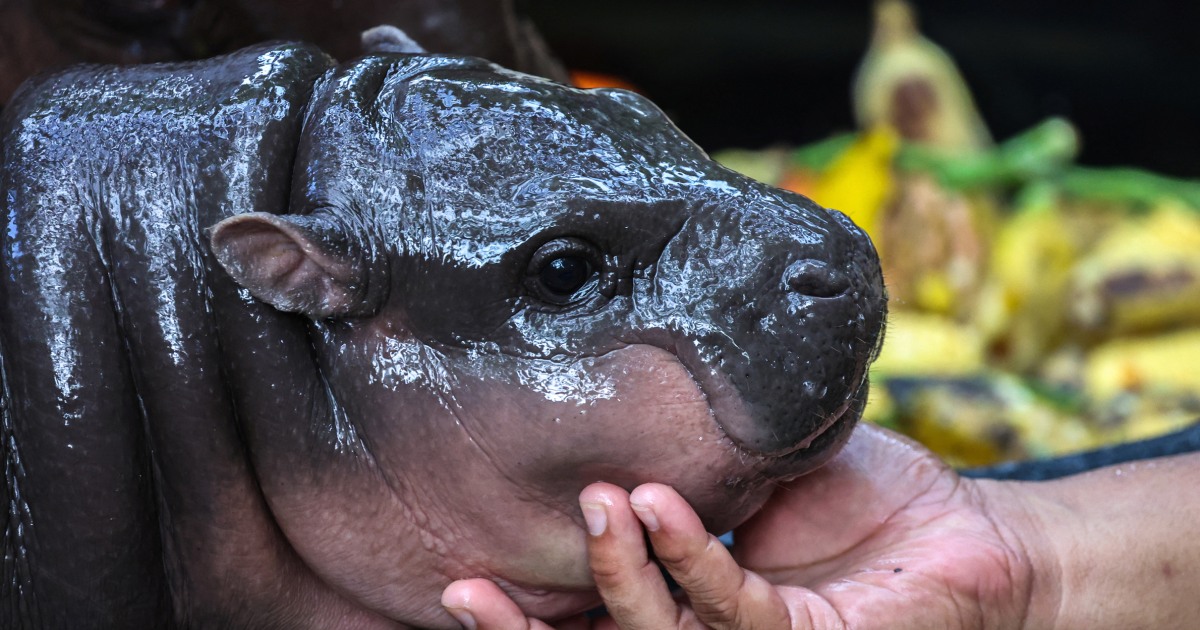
(885, 535)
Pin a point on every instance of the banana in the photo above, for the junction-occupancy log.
(1033, 253)
(986, 418)
(909, 83)
(1151, 365)
(921, 344)
(1142, 276)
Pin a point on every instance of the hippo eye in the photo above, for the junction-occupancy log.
(560, 268)
(565, 275)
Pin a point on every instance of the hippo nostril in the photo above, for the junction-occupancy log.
(815, 279)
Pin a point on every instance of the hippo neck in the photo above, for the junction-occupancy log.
(154, 357)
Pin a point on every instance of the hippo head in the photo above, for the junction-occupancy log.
(517, 288)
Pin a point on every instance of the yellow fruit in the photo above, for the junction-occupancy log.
(1165, 361)
(1144, 275)
(859, 181)
(928, 345)
(909, 83)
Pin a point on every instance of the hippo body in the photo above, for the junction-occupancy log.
(439, 299)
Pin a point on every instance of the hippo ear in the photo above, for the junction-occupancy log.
(299, 264)
(386, 38)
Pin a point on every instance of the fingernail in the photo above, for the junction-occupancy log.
(596, 518)
(463, 616)
(646, 515)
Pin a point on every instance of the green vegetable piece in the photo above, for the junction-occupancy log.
(1129, 186)
(819, 155)
(1041, 151)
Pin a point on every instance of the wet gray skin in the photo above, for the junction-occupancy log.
(439, 299)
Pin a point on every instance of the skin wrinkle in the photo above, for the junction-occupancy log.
(532, 495)
(330, 396)
(1009, 552)
(851, 613)
(392, 485)
(1020, 550)
(102, 243)
(962, 609)
(1015, 550)
(674, 350)
(433, 531)
(726, 608)
(492, 459)
(566, 509)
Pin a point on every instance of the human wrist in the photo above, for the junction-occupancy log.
(1035, 528)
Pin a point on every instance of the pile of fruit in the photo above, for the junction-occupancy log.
(1037, 307)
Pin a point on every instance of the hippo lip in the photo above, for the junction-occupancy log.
(830, 421)
(725, 403)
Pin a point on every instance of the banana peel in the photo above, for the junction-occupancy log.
(1150, 365)
(934, 248)
(1032, 256)
(1144, 387)
(928, 345)
(907, 82)
(1142, 276)
(986, 418)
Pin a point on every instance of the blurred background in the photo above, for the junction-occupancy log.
(1027, 171)
(758, 72)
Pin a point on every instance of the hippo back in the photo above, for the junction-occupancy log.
(116, 390)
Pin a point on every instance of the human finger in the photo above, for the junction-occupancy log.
(630, 583)
(479, 604)
(720, 592)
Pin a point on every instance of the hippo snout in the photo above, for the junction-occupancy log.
(815, 278)
(821, 277)
(796, 298)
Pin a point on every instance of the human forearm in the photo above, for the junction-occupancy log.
(1118, 547)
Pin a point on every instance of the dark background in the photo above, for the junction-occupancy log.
(756, 73)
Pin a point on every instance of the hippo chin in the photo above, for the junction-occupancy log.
(435, 299)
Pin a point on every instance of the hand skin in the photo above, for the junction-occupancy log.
(888, 536)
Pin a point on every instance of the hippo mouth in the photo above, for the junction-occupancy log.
(728, 409)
